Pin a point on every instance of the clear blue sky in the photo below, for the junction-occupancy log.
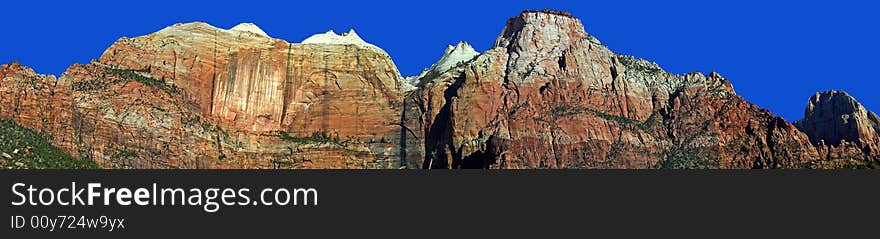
(776, 53)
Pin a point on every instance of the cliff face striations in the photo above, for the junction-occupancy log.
(194, 96)
(546, 95)
(549, 95)
(255, 83)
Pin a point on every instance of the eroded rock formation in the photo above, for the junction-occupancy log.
(196, 96)
(842, 129)
(547, 95)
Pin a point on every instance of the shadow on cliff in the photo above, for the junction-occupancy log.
(439, 147)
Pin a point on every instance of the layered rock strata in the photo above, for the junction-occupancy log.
(549, 95)
(196, 96)
(546, 95)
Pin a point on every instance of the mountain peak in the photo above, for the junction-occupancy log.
(834, 116)
(555, 27)
(550, 11)
(453, 55)
(249, 27)
(350, 38)
(195, 30)
(465, 46)
(838, 102)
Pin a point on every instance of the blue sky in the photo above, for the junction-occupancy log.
(776, 53)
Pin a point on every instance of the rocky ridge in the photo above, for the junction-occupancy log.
(546, 95)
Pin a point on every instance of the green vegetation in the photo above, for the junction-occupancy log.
(138, 75)
(123, 154)
(649, 123)
(843, 163)
(316, 138)
(122, 158)
(639, 65)
(619, 119)
(34, 150)
(125, 74)
(284, 164)
(566, 110)
(191, 121)
(688, 158)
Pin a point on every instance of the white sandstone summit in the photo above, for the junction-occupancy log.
(249, 27)
(199, 29)
(331, 38)
(461, 52)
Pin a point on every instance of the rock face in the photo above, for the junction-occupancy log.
(841, 127)
(262, 84)
(35, 101)
(196, 96)
(547, 95)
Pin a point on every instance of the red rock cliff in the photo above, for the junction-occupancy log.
(195, 96)
(549, 95)
(846, 134)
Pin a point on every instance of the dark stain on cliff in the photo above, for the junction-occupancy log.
(438, 138)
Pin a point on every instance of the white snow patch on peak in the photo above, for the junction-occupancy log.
(453, 55)
(449, 49)
(349, 38)
(249, 27)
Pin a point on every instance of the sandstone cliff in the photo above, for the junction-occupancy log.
(549, 95)
(546, 95)
(196, 96)
(845, 133)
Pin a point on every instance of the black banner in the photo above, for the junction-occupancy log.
(448, 203)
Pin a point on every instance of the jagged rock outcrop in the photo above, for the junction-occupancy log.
(841, 128)
(549, 95)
